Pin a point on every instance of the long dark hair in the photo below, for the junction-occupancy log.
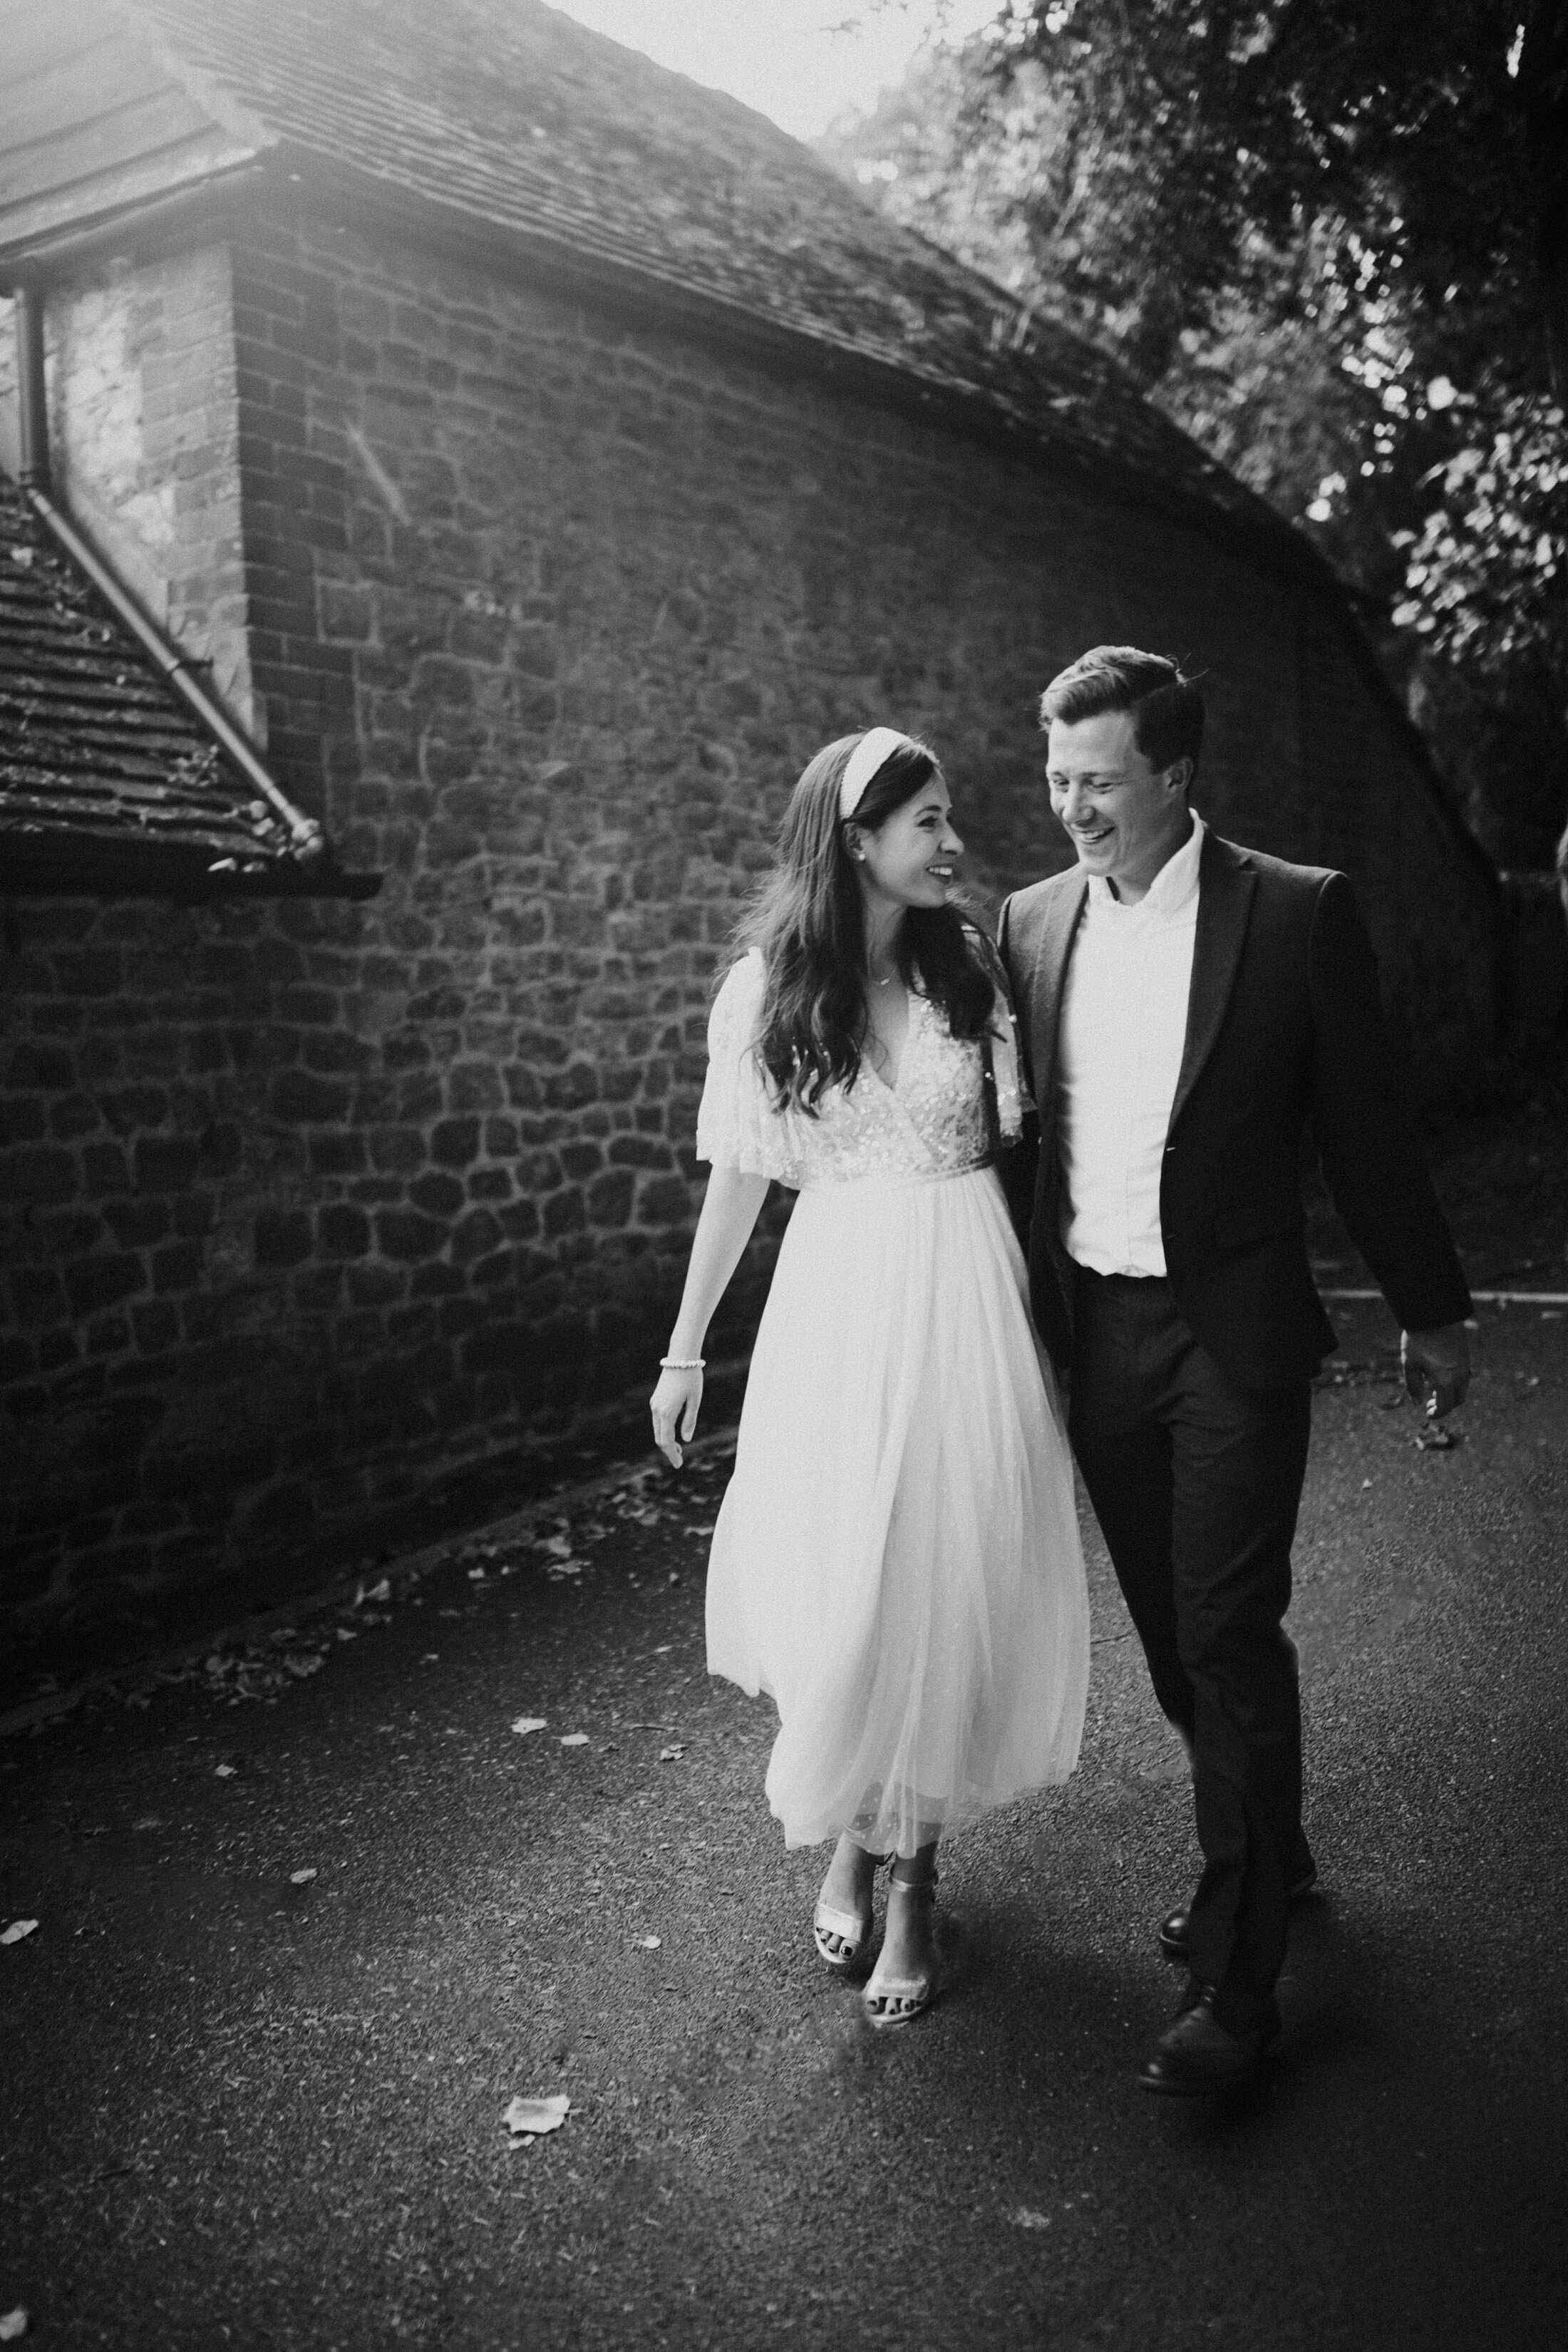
(807, 920)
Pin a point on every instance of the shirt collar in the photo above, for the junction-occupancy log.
(1172, 890)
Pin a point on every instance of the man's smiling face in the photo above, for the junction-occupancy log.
(1126, 818)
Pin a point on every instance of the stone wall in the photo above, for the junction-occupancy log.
(321, 1215)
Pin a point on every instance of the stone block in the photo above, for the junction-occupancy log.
(316, 1289)
(156, 1326)
(23, 1119)
(420, 1096)
(342, 1231)
(38, 1296)
(455, 1143)
(334, 1049)
(49, 1067)
(438, 1194)
(136, 1221)
(102, 1280)
(107, 1335)
(396, 1150)
(165, 1163)
(473, 1086)
(281, 1237)
(406, 1237)
(342, 1154)
(73, 1116)
(177, 1265)
(639, 1151)
(569, 1088)
(437, 1280)
(663, 1201)
(38, 1171)
(474, 1236)
(312, 1100)
(610, 1198)
(564, 1212)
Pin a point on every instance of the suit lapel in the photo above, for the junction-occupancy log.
(1226, 885)
(1047, 986)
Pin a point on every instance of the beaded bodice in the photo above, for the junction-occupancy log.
(930, 1124)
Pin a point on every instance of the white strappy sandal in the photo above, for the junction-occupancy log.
(889, 2000)
(850, 1930)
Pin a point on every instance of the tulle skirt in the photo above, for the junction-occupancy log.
(896, 1560)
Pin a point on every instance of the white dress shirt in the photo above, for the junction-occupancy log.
(1123, 1025)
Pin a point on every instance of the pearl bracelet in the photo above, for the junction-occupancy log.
(681, 1363)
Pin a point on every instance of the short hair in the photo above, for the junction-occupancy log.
(1167, 708)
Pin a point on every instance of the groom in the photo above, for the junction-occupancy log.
(1190, 1010)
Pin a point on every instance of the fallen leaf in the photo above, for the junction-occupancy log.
(304, 1663)
(671, 1755)
(301, 1877)
(13, 2323)
(382, 1591)
(574, 1740)
(560, 1547)
(475, 1576)
(534, 2117)
(224, 1771)
(1026, 2218)
(17, 1930)
(149, 1822)
(530, 1723)
(649, 1943)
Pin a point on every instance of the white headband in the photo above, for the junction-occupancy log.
(872, 752)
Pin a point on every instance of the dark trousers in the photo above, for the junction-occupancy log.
(1196, 1485)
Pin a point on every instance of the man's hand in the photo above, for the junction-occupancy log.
(1436, 1366)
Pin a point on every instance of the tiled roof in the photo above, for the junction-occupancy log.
(511, 112)
(106, 778)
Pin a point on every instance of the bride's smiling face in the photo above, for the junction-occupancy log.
(911, 859)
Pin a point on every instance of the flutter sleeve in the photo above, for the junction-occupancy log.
(1012, 1098)
(737, 1125)
(1012, 1094)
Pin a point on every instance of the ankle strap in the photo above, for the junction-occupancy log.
(912, 1885)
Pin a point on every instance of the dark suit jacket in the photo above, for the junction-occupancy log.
(1285, 1030)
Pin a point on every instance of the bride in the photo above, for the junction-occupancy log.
(896, 1560)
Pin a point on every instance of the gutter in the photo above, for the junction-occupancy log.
(314, 867)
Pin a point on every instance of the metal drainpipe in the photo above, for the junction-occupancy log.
(37, 487)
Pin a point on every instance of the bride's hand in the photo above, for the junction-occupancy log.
(675, 1404)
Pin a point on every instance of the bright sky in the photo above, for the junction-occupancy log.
(785, 57)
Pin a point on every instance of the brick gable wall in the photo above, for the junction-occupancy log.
(320, 1215)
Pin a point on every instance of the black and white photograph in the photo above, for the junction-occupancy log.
(784, 1175)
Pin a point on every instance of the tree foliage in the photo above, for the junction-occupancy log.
(1329, 238)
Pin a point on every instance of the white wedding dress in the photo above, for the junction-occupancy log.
(896, 1560)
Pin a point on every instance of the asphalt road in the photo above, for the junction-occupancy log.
(243, 2110)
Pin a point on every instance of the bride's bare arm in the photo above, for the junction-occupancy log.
(729, 1209)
